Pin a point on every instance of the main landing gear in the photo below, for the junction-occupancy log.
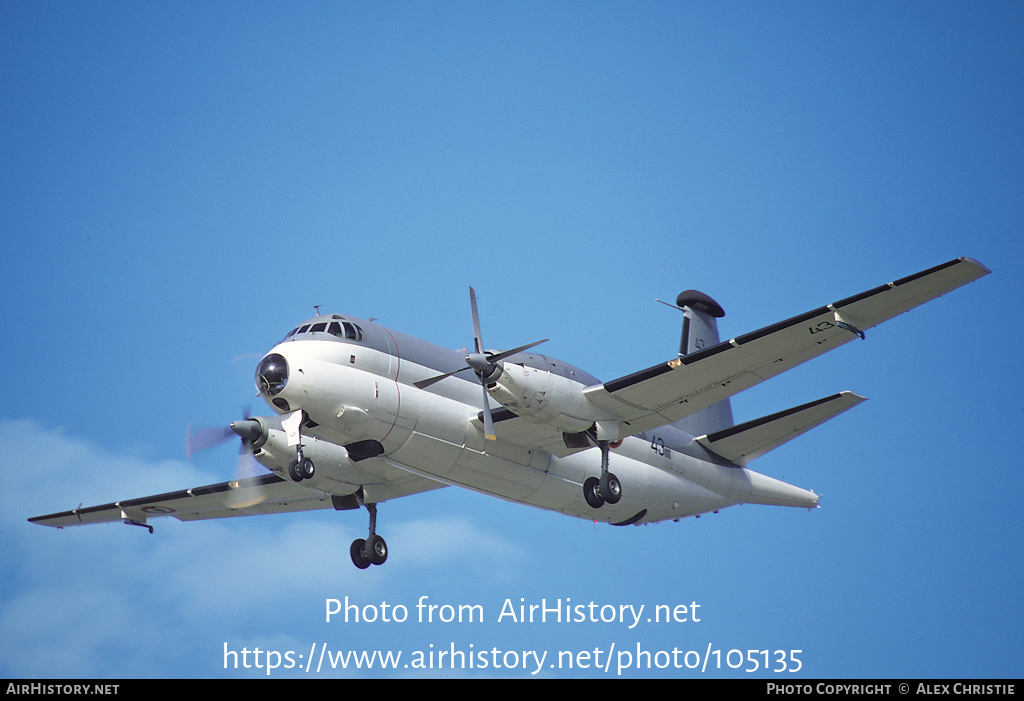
(301, 468)
(365, 552)
(605, 489)
(373, 550)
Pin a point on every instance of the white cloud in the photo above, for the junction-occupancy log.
(113, 601)
(48, 471)
(453, 538)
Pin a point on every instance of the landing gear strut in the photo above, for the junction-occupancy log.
(605, 489)
(301, 468)
(373, 550)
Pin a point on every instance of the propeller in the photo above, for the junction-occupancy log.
(205, 438)
(484, 364)
(250, 431)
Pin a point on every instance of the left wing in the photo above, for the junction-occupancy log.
(264, 494)
(670, 391)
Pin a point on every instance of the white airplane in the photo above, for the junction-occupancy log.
(365, 414)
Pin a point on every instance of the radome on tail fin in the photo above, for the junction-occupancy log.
(700, 331)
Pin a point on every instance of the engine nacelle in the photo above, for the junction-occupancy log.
(269, 442)
(543, 397)
(337, 466)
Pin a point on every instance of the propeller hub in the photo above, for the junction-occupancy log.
(481, 362)
(250, 431)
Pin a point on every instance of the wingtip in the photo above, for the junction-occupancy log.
(983, 269)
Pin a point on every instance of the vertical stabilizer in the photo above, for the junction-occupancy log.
(700, 330)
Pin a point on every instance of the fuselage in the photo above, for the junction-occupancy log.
(353, 380)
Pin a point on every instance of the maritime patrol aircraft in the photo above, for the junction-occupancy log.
(364, 414)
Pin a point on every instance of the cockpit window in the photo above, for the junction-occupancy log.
(342, 329)
(346, 330)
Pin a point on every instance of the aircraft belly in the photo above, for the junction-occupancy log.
(499, 475)
(472, 470)
(438, 417)
(446, 444)
(429, 455)
(728, 483)
(538, 479)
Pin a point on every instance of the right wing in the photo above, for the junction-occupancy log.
(264, 494)
(670, 391)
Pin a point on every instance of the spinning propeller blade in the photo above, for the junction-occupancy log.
(246, 492)
(205, 438)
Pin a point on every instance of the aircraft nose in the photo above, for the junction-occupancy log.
(272, 375)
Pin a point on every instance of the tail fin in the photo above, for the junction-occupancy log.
(700, 330)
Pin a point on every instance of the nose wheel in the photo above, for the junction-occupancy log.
(370, 551)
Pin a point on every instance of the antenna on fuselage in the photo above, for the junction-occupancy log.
(317, 308)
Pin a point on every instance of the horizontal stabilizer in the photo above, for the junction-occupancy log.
(741, 444)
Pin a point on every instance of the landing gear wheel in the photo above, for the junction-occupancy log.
(611, 488)
(359, 558)
(300, 470)
(373, 550)
(592, 492)
(376, 549)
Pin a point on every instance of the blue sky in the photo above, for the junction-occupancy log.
(185, 181)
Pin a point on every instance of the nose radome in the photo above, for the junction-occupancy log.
(272, 374)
